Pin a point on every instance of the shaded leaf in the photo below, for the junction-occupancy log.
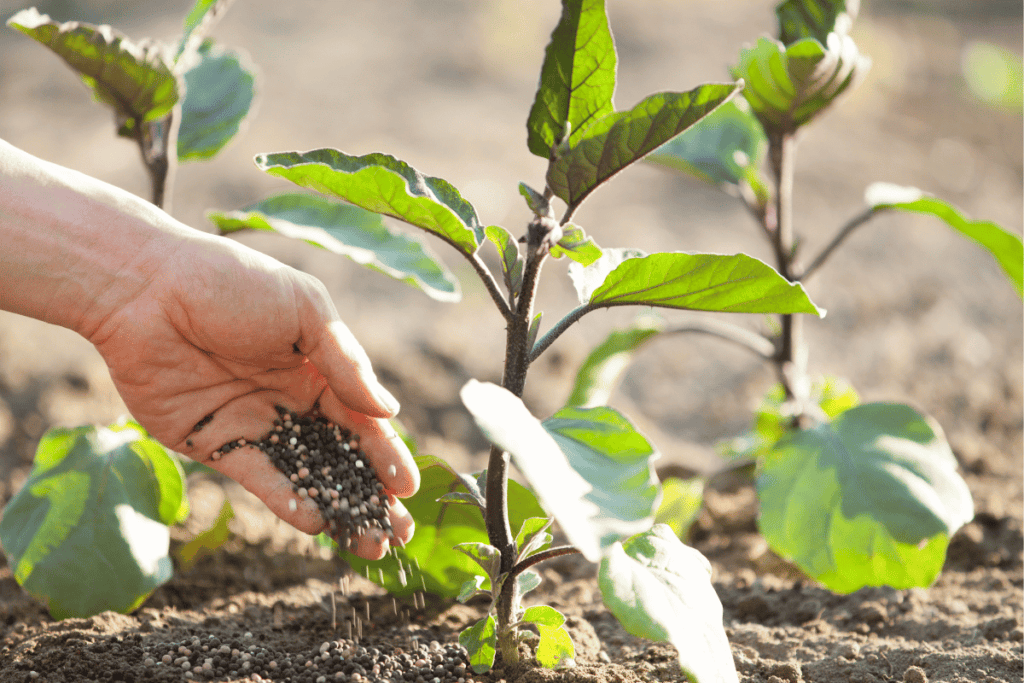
(485, 555)
(528, 580)
(814, 19)
(681, 503)
(726, 147)
(198, 22)
(219, 91)
(788, 86)
(577, 78)
(555, 649)
(600, 372)
(480, 640)
(209, 540)
(88, 530)
(472, 588)
(383, 184)
(698, 282)
(1004, 245)
(532, 537)
(439, 528)
(869, 499)
(660, 589)
(576, 245)
(131, 77)
(537, 202)
(512, 262)
(461, 497)
(619, 139)
(531, 334)
(347, 230)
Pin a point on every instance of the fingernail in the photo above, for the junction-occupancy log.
(386, 400)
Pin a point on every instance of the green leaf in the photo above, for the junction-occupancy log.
(480, 640)
(219, 91)
(681, 503)
(621, 138)
(537, 202)
(600, 372)
(200, 19)
(209, 540)
(512, 262)
(383, 184)
(576, 245)
(527, 580)
(555, 649)
(531, 334)
(577, 79)
(132, 78)
(461, 497)
(347, 230)
(726, 147)
(814, 19)
(660, 589)
(697, 282)
(788, 86)
(439, 528)
(994, 75)
(1004, 245)
(88, 530)
(471, 588)
(869, 499)
(589, 468)
(532, 537)
(487, 556)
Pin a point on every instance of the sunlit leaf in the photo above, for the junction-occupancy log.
(88, 530)
(512, 262)
(439, 528)
(207, 541)
(994, 75)
(726, 147)
(576, 245)
(555, 649)
(480, 641)
(699, 282)
(1004, 245)
(681, 503)
(383, 184)
(131, 77)
(471, 588)
(532, 537)
(577, 79)
(537, 202)
(660, 589)
(219, 91)
(599, 374)
(814, 18)
(619, 139)
(868, 499)
(788, 86)
(485, 555)
(347, 230)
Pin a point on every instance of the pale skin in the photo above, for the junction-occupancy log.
(190, 325)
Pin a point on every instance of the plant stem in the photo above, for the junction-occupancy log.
(752, 341)
(156, 140)
(491, 284)
(543, 556)
(844, 232)
(791, 357)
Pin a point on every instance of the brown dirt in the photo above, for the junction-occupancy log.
(915, 314)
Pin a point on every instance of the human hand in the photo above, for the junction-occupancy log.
(221, 330)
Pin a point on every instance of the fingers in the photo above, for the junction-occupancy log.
(374, 544)
(344, 364)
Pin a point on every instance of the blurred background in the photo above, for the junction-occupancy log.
(915, 312)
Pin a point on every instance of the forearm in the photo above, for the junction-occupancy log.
(74, 248)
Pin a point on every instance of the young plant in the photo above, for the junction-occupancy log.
(587, 467)
(854, 495)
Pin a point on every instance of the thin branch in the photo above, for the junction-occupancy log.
(844, 232)
(752, 341)
(490, 283)
(543, 556)
(555, 332)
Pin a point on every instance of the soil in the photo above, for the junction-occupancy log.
(916, 314)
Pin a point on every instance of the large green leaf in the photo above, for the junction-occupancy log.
(347, 230)
(132, 78)
(219, 91)
(88, 530)
(660, 589)
(788, 86)
(554, 649)
(1004, 245)
(619, 139)
(577, 79)
(480, 641)
(698, 282)
(600, 372)
(589, 468)
(439, 528)
(869, 499)
(726, 147)
(814, 18)
(383, 184)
